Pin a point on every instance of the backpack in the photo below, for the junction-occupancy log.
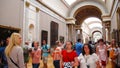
(26, 54)
(46, 47)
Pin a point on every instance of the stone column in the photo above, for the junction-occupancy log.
(37, 24)
(107, 26)
(70, 32)
(71, 29)
(78, 35)
(25, 27)
(81, 36)
(77, 27)
(104, 31)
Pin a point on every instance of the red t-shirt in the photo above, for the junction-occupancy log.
(68, 56)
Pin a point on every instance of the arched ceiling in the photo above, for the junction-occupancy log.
(96, 29)
(93, 22)
(86, 11)
(70, 2)
(73, 2)
(99, 4)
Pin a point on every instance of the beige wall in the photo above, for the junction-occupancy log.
(114, 22)
(45, 20)
(11, 13)
(114, 16)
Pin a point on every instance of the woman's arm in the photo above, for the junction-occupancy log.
(96, 59)
(98, 64)
(97, 50)
(75, 63)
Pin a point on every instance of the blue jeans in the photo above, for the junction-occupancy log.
(6, 66)
(56, 63)
(35, 65)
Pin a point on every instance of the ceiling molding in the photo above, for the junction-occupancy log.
(9, 27)
(50, 9)
(65, 3)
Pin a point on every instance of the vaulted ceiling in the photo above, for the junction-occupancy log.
(85, 12)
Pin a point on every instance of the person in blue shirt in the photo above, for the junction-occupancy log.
(45, 53)
(2, 54)
(78, 48)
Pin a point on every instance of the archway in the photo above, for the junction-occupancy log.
(81, 3)
(96, 35)
(82, 10)
(89, 18)
(85, 12)
(89, 26)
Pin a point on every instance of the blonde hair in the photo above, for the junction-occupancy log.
(12, 42)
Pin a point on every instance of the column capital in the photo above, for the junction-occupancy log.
(106, 17)
(77, 27)
(107, 24)
(37, 9)
(27, 4)
(70, 20)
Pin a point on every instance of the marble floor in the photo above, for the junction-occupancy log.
(50, 63)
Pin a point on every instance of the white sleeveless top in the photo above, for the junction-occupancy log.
(102, 52)
(88, 60)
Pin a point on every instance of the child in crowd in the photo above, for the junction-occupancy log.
(57, 55)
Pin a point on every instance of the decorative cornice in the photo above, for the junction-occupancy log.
(65, 3)
(70, 20)
(50, 9)
(108, 16)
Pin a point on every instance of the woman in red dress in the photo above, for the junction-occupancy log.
(69, 56)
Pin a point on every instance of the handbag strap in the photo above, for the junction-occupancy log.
(14, 62)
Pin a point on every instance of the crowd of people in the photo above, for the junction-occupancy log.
(67, 55)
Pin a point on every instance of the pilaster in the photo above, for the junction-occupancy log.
(108, 28)
(71, 29)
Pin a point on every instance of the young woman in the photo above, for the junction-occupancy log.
(57, 56)
(88, 59)
(113, 52)
(14, 52)
(69, 56)
(101, 51)
(36, 55)
(45, 53)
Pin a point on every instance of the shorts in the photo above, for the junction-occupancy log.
(45, 59)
